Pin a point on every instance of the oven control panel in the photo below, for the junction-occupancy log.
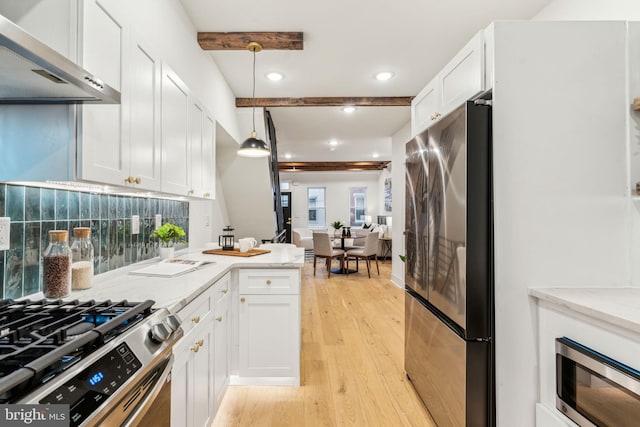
(93, 386)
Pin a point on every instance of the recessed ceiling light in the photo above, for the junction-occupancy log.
(349, 109)
(375, 155)
(287, 156)
(333, 143)
(384, 75)
(274, 76)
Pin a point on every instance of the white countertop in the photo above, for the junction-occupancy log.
(617, 306)
(176, 292)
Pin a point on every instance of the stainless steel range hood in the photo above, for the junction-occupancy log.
(33, 73)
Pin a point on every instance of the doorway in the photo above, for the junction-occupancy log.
(285, 199)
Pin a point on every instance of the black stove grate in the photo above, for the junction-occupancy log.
(40, 339)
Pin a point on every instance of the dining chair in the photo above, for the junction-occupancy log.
(367, 252)
(322, 248)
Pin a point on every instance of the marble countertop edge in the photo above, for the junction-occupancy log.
(618, 306)
(174, 293)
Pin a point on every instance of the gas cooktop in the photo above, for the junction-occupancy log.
(41, 339)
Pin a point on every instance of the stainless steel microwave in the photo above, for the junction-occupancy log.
(593, 389)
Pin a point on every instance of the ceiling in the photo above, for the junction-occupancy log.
(346, 42)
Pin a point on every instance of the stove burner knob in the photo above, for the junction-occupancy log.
(159, 332)
(173, 322)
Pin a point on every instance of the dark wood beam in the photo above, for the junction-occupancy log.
(328, 101)
(332, 166)
(239, 40)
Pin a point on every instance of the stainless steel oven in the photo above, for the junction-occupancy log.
(593, 389)
(109, 362)
(157, 411)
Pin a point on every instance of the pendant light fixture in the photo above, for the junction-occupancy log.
(253, 146)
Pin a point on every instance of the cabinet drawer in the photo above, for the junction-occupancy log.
(272, 281)
(222, 289)
(196, 311)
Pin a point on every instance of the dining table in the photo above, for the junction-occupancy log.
(345, 269)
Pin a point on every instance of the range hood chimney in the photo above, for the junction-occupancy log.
(33, 73)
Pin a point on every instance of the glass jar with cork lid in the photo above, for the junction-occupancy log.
(56, 262)
(82, 259)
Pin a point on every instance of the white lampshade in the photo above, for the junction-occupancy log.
(367, 219)
(389, 221)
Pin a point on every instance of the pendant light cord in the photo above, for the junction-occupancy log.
(253, 93)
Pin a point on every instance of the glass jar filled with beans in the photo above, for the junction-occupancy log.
(56, 261)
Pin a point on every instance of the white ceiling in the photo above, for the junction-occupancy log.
(345, 43)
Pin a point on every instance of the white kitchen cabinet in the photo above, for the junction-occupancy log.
(124, 144)
(103, 42)
(202, 157)
(222, 335)
(196, 120)
(209, 158)
(269, 326)
(424, 107)
(135, 159)
(461, 79)
(144, 75)
(192, 384)
(192, 390)
(175, 133)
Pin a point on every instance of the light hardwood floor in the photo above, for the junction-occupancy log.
(352, 361)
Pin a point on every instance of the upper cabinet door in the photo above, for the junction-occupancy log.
(196, 119)
(424, 107)
(175, 133)
(463, 77)
(145, 121)
(105, 156)
(209, 158)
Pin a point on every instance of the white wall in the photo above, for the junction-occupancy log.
(398, 141)
(207, 218)
(337, 186)
(246, 184)
(561, 198)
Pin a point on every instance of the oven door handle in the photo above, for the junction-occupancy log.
(144, 405)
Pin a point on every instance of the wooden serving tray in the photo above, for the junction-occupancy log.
(236, 252)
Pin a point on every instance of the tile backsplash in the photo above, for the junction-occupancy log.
(34, 211)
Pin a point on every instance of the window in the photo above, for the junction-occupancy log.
(357, 205)
(316, 207)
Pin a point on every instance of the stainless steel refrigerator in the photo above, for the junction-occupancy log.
(449, 267)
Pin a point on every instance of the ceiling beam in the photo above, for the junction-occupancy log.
(239, 40)
(331, 166)
(328, 101)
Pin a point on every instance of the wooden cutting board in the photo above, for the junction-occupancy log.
(236, 252)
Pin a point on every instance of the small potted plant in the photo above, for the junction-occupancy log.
(337, 225)
(169, 235)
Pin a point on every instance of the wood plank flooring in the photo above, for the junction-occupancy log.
(352, 361)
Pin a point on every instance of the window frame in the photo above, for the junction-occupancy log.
(322, 209)
(353, 208)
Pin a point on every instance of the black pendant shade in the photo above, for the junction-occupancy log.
(253, 147)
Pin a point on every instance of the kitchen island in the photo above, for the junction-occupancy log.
(240, 317)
